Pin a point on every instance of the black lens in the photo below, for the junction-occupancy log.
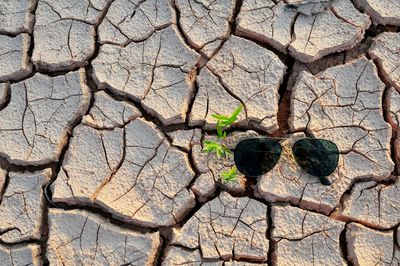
(255, 157)
(317, 157)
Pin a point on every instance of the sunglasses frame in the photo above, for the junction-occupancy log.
(284, 150)
(278, 138)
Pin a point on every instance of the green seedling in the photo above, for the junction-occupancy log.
(226, 121)
(217, 147)
(230, 175)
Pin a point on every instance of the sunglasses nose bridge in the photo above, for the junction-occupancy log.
(287, 150)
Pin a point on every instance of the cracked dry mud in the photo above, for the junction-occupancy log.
(105, 105)
(307, 32)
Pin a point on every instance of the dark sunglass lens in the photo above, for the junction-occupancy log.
(317, 157)
(255, 157)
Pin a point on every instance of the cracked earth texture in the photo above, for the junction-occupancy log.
(105, 105)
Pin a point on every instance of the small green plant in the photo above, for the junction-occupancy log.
(224, 122)
(230, 175)
(217, 147)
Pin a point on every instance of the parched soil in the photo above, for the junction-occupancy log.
(105, 105)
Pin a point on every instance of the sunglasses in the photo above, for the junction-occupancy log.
(256, 156)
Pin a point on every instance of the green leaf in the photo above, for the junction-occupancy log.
(234, 115)
(219, 117)
(210, 146)
(224, 121)
(229, 176)
(237, 111)
(215, 147)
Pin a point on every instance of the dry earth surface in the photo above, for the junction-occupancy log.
(105, 104)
